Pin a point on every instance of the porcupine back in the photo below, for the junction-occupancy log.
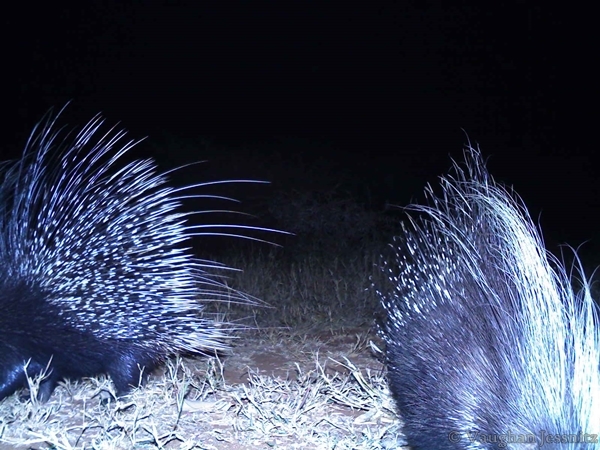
(486, 341)
(95, 273)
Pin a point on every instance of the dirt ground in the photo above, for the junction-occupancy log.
(280, 359)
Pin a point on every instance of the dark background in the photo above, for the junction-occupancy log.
(373, 95)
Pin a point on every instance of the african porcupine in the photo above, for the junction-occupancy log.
(94, 274)
(487, 345)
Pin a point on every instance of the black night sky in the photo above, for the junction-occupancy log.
(374, 93)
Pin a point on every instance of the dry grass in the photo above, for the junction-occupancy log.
(189, 408)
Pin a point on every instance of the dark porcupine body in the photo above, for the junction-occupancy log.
(487, 344)
(95, 274)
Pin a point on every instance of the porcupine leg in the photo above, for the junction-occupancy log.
(46, 387)
(15, 378)
(12, 379)
(51, 376)
(129, 370)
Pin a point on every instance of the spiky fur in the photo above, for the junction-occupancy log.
(486, 340)
(95, 276)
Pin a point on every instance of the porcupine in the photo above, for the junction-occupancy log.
(487, 343)
(96, 274)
